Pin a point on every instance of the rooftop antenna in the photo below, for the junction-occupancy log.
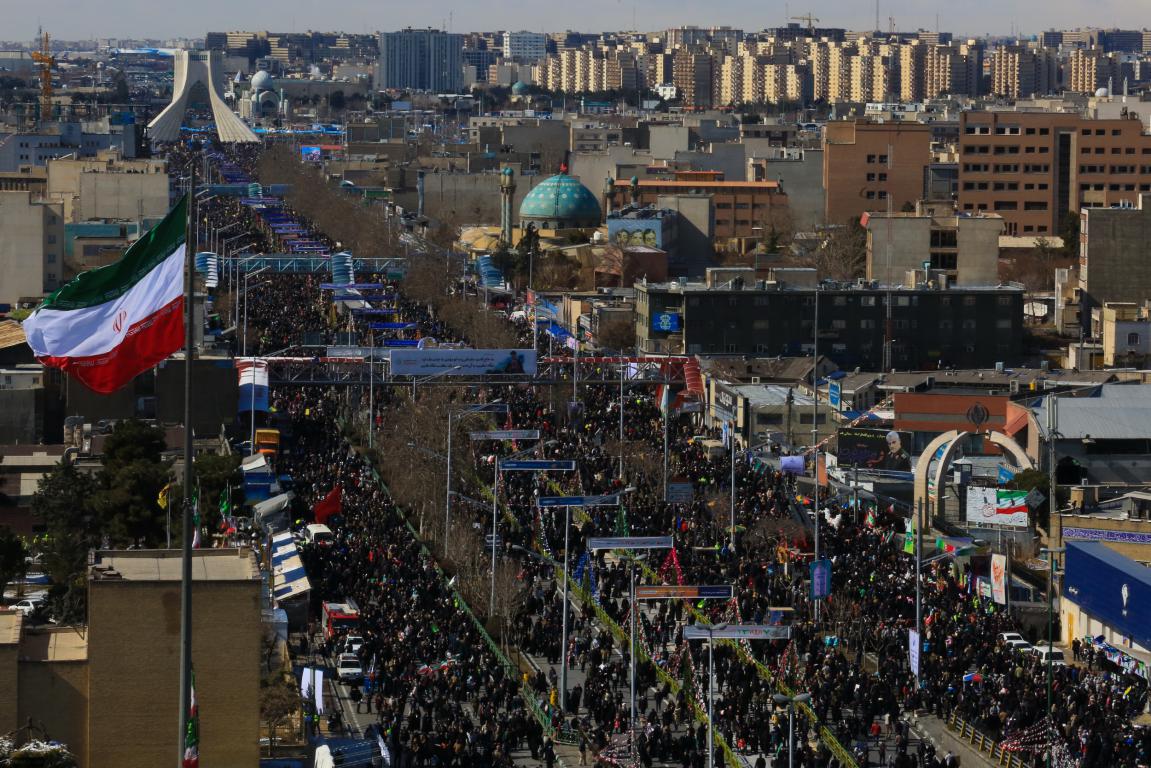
(877, 28)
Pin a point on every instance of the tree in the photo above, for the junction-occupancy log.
(336, 101)
(279, 700)
(215, 473)
(13, 554)
(1069, 231)
(64, 502)
(130, 483)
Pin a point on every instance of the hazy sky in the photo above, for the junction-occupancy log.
(85, 19)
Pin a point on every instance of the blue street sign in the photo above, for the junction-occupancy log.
(835, 394)
(631, 542)
(579, 501)
(538, 465)
(820, 579)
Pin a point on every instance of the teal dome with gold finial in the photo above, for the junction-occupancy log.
(560, 202)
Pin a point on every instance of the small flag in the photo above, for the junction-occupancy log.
(192, 737)
(162, 499)
(196, 518)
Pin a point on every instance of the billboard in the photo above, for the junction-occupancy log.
(667, 322)
(1112, 589)
(874, 449)
(999, 579)
(991, 506)
(463, 362)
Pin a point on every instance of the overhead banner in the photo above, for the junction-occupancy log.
(537, 465)
(736, 632)
(996, 507)
(671, 592)
(631, 542)
(874, 449)
(253, 373)
(999, 579)
(792, 464)
(579, 501)
(463, 362)
(506, 434)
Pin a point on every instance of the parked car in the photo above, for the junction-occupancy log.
(1046, 652)
(29, 605)
(348, 668)
(351, 644)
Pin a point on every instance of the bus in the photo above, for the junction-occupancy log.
(339, 618)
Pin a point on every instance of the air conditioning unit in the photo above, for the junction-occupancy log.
(754, 379)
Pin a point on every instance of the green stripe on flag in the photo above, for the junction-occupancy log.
(104, 284)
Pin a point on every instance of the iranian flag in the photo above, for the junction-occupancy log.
(112, 323)
(192, 736)
(1010, 502)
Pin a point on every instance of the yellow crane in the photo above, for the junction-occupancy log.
(47, 61)
(809, 19)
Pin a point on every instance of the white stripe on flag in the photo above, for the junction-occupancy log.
(319, 692)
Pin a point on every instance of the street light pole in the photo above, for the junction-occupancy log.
(1051, 552)
(815, 426)
(495, 519)
(564, 632)
(621, 374)
(791, 701)
(731, 430)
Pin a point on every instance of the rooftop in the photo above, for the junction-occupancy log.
(55, 644)
(1115, 412)
(165, 565)
(767, 395)
(10, 622)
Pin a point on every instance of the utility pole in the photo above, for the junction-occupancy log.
(815, 427)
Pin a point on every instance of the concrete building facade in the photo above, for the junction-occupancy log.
(1033, 168)
(869, 165)
(421, 59)
(963, 247)
(1113, 261)
(31, 248)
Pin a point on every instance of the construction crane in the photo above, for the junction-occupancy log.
(47, 61)
(809, 19)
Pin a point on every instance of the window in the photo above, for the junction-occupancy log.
(883, 194)
(1132, 339)
(883, 177)
(944, 260)
(871, 194)
(1006, 205)
(1035, 205)
(1003, 324)
(871, 159)
(944, 238)
(883, 159)
(871, 177)
(839, 324)
(867, 301)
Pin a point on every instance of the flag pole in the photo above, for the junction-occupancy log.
(186, 540)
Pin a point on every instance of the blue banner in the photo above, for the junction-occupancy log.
(538, 465)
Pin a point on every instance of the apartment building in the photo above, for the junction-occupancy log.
(1019, 71)
(963, 248)
(741, 208)
(1034, 167)
(1113, 264)
(1088, 69)
(867, 165)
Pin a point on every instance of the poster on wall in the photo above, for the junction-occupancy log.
(874, 449)
(992, 506)
(999, 579)
(463, 362)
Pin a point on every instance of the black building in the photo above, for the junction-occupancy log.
(970, 327)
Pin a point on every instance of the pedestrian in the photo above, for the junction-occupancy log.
(582, 748)
(357, 696)
(549, 754)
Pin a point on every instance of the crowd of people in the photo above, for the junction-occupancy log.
(442, 698)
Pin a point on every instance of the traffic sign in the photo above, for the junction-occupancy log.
(488, 541)
(680, 492)
(538, 465)
(665, 592)
(631, 542)
(506, 434)
(736, 632)
(579, 501)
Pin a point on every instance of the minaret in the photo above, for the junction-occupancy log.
(507, 197)
(608, 195)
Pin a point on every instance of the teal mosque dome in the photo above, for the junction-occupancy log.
(560, 202)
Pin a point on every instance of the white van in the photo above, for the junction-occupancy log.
(1045, 652)
(320, 535)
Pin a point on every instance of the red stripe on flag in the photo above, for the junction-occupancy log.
(147, 343)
